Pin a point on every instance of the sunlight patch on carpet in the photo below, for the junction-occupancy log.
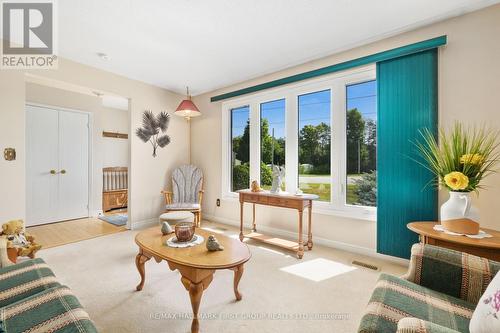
(318, 269)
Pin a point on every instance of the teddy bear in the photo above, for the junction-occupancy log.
(255, 187)
(18, 239)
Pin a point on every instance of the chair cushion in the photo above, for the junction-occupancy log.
(183, 206)
(25, 279)
(52, 310)
(394, 299)
(178, 216)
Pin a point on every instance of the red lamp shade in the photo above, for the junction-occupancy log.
(187, 109)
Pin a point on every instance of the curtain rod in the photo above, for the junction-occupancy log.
(373, 58)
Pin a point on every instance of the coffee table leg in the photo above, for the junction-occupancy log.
(140, 260)
(238, 273)
(195, 292)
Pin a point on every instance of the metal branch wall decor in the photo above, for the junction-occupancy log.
(154, 129)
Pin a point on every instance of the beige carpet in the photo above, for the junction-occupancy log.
(102, 273)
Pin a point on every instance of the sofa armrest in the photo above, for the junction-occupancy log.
(454, 273)
(415, 325)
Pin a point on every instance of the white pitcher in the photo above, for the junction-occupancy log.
(459, 206)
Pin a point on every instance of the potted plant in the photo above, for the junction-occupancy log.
(461, 158)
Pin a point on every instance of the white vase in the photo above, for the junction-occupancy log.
(459, 206)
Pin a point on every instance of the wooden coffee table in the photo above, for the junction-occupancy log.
(196, 264)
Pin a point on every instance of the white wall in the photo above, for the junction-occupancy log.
(114, 151)
(105, 151)
(148, 175)
(469, 82)
(12, 123)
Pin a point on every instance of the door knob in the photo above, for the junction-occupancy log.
(63, 171)
(52, 172)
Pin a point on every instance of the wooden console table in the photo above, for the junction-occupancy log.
(298, 202)
(486, 247)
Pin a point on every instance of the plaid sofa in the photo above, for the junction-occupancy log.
(438, 294)
(31, 300)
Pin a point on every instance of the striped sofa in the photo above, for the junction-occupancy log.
(31, 300)
(437, 295)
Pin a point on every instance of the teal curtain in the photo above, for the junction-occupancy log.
(407, 103)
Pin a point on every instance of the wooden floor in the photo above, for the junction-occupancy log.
(60, 233)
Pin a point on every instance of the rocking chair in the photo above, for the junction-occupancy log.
(187, 191)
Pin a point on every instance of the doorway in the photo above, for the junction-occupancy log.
(107, 146)
(57, 164)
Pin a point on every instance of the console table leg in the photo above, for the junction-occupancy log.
(241, 221)
(300, 252)
(254, 227)
(309, 230)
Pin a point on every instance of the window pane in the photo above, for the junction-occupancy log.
(272, 139)
(240, 148)
(314, 144)
(361, 144)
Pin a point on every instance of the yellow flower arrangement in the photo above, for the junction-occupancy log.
(475, 159)
(456, 181)
(462, 157)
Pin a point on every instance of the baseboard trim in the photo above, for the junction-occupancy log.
(317, 240)
(144, 223)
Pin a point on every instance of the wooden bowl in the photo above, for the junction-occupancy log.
(184, 231)
(461, 226)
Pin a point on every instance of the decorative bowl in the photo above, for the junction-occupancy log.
(184, 231)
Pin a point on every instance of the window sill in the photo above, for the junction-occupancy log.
(324, 208)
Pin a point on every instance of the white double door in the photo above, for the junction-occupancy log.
(57, 165)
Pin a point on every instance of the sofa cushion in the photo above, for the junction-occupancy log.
(394, 299)
(52, 310)
(486, 317)
(25, 279)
